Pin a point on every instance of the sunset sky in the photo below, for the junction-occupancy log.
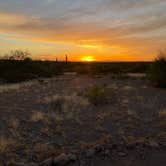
(101, 30)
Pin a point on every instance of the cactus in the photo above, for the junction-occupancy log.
(66, 59)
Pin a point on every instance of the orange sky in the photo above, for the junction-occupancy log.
(100, 30)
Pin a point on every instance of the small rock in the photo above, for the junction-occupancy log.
(153, 144)
(72, 157)
(114, 146)
(24, 164)
(107, 152)
(130, 146)
(90, 153)
(47, 162)
(163, 144)
(99, 148)
(142, 154)
(61, 160)
(122, 154)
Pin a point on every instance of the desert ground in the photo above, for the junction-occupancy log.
(46, 118)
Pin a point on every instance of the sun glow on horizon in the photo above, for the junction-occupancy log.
(88, 59)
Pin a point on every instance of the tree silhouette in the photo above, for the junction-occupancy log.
(17, 55)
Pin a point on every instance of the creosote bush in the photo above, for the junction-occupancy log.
(98, 95)
(67, 102)
(158, 71)
(67, 107)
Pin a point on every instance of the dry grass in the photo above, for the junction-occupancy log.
(14, 124)
(9, 88)
(103, 115)
(37, 116)
(45, 151)
(105, 139)
(62, 107)
(99, 95)
(131, 139)
(131, 113)
(161, 120)
(162, 123)
(128, 88)
(5, 144)
(162, 114)
(14, 127)
(40, 147)
(161, 136)
(67, 107)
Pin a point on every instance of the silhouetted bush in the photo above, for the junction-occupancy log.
(158, 71)
(17, 55)
(16, 71)
(27, 69)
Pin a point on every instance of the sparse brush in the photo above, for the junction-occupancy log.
(14, 127)
(5, 144)
(157, 72)
(162, 114)
(67, 102)
(99, 95)
(161, 120)
(66, 107)
(57, 103)
(37, 116)
(14, 124)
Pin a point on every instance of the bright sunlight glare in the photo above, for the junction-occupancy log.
(88, 59)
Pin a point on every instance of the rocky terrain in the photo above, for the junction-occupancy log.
(83, 120)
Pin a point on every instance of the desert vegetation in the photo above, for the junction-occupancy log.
(158, 70)
(12, 71)
(82, 83)
(17, 66)
(99, 95)
(68, 115)
(17, 55)
(72, 108)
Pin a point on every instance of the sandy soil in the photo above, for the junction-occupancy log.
(47, 117)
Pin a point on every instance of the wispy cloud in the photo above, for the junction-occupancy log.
(126, 24)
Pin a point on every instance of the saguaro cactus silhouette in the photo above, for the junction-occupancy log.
(66, 58)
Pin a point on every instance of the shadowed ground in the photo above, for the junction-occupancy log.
(44, 118)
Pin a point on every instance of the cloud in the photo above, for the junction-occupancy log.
(98, 22)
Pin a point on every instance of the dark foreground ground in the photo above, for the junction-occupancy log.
(45, 118)
(151, 157)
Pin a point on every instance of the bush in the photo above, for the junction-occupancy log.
(99, 95)
(12, 71)
(158, 71)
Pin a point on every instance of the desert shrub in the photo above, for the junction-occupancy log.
(57, 104)
(37, 116)
(107, 67)
(162, 114)
(16, 71)
(161, 119)
(5, 144)
(157, 72)
(99, 95)
(67, 107)
(67, 102)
